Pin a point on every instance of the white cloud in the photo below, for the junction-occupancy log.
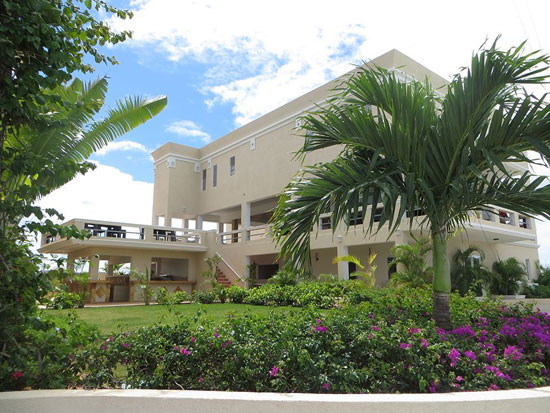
(265, 54)
(122, 146)
(105, 193)
(188, 129)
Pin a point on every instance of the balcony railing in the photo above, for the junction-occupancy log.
(132, 232)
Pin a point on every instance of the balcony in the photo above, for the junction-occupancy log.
(118, 235)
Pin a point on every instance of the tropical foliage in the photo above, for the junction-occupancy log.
(467, 272)
(412, 259)
(421, 156)
(47, 131)
(365, 274)
(507, 277)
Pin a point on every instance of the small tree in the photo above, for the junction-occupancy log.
(144, 284)
(412, 256)
(468, 273)
(367, 275)
(507, 277)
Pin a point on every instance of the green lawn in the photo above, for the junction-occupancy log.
(115, 319)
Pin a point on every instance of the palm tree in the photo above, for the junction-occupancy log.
(507, 276)
(405, 149)
(417, 273)
(467, 272)
(53, 149)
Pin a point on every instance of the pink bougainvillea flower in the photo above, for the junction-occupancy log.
(424, 343)
(216, 335)
(176, 348)
(493, 387)
(375, 328)
(326, 386)
(111, 338)
(413, 330)
(432, 387)
(321, 329)
(454, 355)
(470, 354)
(318, 320)
(18, 374)
(274, 371)
(192, 339)
(184, 351)
(201, 379)
(404, 345)
(512, 352)
(125, 345)
(459, 378)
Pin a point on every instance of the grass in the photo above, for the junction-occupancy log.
(116, 319)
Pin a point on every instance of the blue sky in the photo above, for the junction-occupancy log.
(223, 63)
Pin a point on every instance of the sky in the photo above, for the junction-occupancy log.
(225, 63)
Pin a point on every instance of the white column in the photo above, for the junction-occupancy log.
(246, 271)
(94, 267)
(245, 220)
(199, 222)
(220, 227)
(185, 223)
(343, 267)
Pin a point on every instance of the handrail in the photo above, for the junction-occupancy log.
(230, 267)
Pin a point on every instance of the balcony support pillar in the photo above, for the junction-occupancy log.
(245, 220)
(343, 267)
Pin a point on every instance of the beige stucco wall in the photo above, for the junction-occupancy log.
(150, 401)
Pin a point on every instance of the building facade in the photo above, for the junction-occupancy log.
(232, 184)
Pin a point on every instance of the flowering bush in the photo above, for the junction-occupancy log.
(388, 343)
(62, 300)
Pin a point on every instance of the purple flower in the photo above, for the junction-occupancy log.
(470, 354)
(192, 339)
(459, 378)
(216, 335)
(424, 343)
(111, 338)
(274, 371)
(375, 328)
(104, 348)
(413, 330)
(454, 355)
(404, 345)
(321, 329)
(463, 331)
(318, 320)
(512, 352)
(201, 379)
(125, 345)
(176, 348)
(493, 387)
(326, 386)
(184, 351)
(432, 387)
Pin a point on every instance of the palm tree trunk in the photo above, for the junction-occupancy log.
(442, 280)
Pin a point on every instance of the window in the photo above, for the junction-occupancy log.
(232, 166)
(204, 179)
(325, 223)
(524, 222)
(215, 175)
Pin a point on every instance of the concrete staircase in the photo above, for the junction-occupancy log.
(223, 280)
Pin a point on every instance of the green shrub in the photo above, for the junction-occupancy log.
(177, 297)
(237, 294)
(204, 297)
(62, 300)
(388, 343)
